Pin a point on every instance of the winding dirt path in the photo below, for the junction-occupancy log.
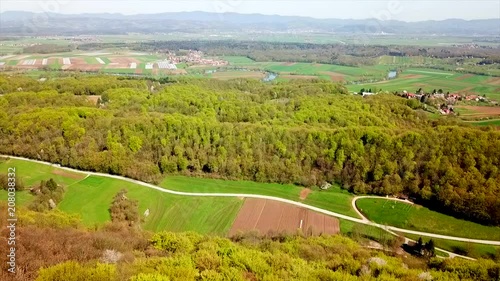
(363, 219)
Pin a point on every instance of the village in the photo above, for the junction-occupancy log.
(445, 101)
(195, 58)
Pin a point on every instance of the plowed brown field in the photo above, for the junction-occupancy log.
(268, 216)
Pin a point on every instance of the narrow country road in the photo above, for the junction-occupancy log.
(363, 219)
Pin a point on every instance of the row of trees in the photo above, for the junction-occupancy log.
(302, 132)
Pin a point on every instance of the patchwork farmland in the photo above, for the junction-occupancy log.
(355, 78)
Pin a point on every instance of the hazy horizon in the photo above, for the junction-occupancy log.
(402, 10)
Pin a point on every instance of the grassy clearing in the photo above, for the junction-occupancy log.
(118, 70)
(334, 199)
(238, 74)
(429, 79)
(92, 196)
(237, 59)
(487, 123)
(325, 71)
(33, 173)
(91, 60)
(12, 62)
(22, 197)
(462, 248)
(362, 232)
(419, 218)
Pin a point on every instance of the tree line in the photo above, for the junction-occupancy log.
(340, 54)
(302, 132)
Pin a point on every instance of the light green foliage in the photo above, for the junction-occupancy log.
(294, 258)
(175, 243)
(53, 219)
(134, 144)
(73, 271)
(149, 277)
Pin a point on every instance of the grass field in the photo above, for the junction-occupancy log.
(323, 71)
(118, 70)
(224, 75)
(91, 60)
(12, 62)
(462, 248)
(415, 217)
(334, 199)
(429, 79)
(92, 196)
(495, 123)
(237, 60)
(33, 173)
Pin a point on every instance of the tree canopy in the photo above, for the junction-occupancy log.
(302, 132)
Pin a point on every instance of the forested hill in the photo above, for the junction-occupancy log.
(304, 132)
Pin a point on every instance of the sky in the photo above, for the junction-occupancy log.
(406, 10)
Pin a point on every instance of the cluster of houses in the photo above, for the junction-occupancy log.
(445, 100)
(196, 57)
(450, 98)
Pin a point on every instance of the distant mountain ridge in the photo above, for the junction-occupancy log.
(18, 22)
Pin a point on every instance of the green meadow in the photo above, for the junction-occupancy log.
(91, 197)
(335, 199)
(462, 248)
(415, 217)
(495, 123)
(430, 79)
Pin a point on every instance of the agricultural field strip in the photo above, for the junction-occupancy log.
(323, 211)
(100, 60)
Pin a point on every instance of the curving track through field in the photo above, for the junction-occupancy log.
(363, 219)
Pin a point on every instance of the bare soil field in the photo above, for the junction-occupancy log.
(304, 192)
(336, 77)
(495, 81)
(412, 76)
(67, 174)
(480, 111)
(81, 64)
(272, 217)
(122, 62)
(176, 71)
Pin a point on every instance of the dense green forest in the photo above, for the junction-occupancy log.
(303, 132)
(119, 251)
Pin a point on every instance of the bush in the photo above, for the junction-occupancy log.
(73, 271)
